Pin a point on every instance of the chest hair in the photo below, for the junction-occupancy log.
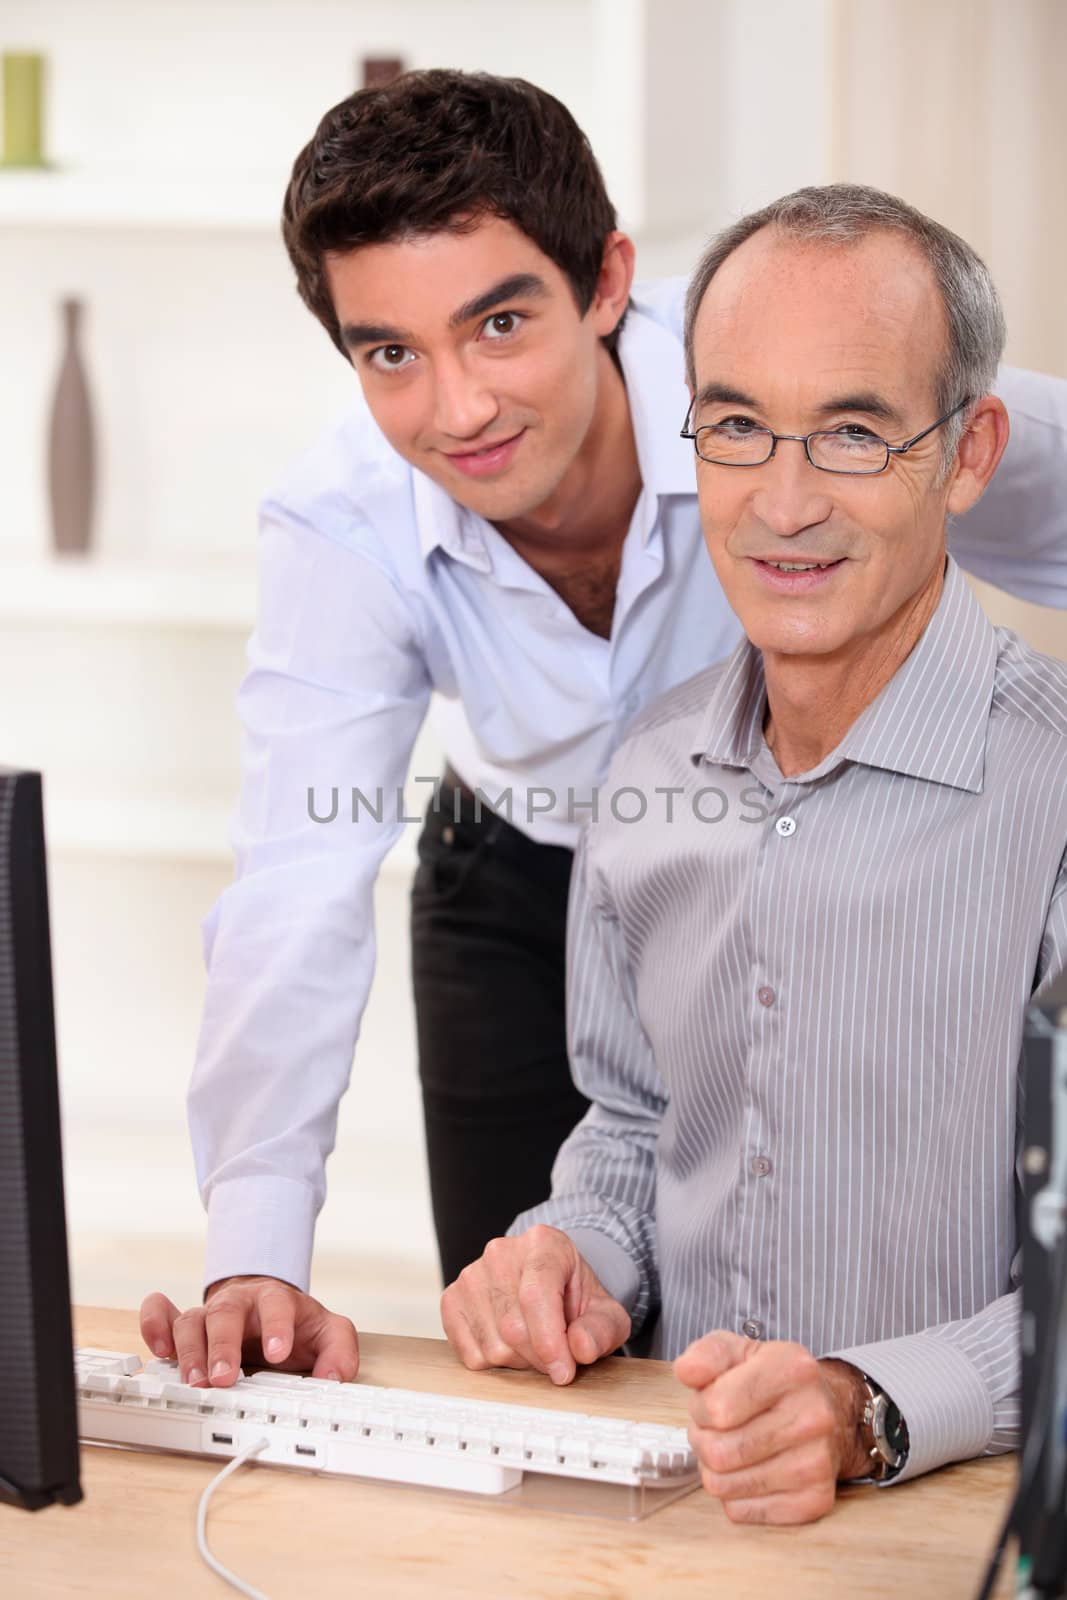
(590, 593)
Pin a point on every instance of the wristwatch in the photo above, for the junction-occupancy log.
(885, 1433)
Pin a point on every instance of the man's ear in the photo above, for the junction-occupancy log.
(612, 293)
(979, 453)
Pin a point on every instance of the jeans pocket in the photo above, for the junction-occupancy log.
(449, 853)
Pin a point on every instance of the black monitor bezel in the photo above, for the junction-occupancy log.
(48, 1352)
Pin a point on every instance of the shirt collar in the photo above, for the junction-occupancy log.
(443, 522)
(930, 721)
(654, 369)
(653, 366)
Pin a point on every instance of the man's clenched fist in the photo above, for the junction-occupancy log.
(774, 1429)
(532, 1302)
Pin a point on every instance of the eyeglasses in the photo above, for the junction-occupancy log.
(736, 442)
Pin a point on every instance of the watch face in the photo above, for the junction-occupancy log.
(896, 1434)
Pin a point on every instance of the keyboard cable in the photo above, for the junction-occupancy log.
(239, 1460)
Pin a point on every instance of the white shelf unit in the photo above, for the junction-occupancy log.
(56, 198)
(110, 600)
(78, 590)
(88, 821)
(143, 827)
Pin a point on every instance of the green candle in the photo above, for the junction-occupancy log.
(23, 104)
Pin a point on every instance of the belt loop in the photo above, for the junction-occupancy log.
(496, 823)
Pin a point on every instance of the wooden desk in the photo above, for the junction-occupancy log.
(300, 1537)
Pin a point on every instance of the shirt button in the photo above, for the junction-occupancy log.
(760, 1166)
(752, 1329)
(786, 826)
(630, 704)
(765, 996)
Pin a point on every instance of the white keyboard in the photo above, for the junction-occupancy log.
(357, 1430)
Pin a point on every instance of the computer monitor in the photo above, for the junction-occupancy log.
(38, 1416)
(1040, 1512)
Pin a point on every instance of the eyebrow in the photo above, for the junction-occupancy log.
(867, 401)
(714, 394)
(519, 286)
(357, 333)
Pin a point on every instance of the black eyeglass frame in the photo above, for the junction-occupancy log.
(806, 438)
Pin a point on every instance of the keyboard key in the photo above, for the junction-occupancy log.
(541, 1447)
(141, 1384)
(283, 1381)
(314, 1412)
(113, 1361)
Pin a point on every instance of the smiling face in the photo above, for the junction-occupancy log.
(794, 336)
(474, 360)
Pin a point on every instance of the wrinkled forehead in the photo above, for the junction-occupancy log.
(786, 311)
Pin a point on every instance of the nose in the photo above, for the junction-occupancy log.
(790, 494)
(463, 406)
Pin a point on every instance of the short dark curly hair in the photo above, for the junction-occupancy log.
(439, 151)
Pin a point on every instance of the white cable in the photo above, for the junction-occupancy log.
(201, 1521)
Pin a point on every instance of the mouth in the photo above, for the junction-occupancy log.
(489, 459)
(796, 577)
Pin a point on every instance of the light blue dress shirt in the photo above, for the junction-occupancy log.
(377, 590)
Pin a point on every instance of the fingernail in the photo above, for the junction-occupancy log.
(274, 1348)
(559, 1372)
(160, 1347)
(195, 1375)
(334, 1377)
(220, 1369)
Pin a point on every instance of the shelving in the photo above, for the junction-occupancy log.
(128, 674)
(86, 200)
(83, 820)
(134, 594)
(86, 819)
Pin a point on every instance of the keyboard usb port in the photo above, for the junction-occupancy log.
(222, 1438)
(305, 1450)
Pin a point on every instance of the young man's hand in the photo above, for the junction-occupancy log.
(250, 1322)
(534, 1302)
(773, 1428)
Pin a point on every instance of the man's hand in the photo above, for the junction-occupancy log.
(532, 1302)
(253, 1322)
(773, 1429)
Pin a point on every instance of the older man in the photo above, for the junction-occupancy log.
(805, 931)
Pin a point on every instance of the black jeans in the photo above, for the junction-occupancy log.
(489, 909)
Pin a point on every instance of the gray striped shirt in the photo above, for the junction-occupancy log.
(797, 1006)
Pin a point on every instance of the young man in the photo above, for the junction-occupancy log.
(801, 1028)
(507, 518)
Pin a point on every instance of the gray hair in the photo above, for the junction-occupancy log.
(846, 212)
